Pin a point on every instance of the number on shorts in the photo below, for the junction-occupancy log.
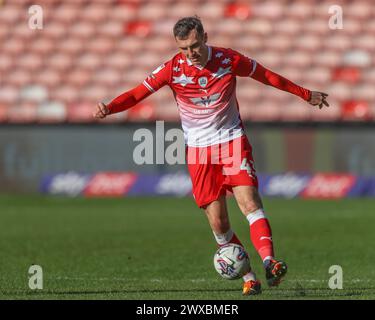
(248, 166)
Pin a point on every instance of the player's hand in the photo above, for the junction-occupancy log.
(101, 111)
(319, 99)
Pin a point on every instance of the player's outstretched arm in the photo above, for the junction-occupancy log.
(271, 78)
(122, 102)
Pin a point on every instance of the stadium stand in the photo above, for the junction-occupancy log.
(90, 51)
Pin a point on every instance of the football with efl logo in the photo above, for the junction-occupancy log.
(231, 261)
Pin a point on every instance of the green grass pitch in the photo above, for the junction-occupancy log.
(162, 248)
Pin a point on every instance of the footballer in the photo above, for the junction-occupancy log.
(219, 155)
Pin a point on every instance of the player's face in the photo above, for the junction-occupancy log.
(194, 47)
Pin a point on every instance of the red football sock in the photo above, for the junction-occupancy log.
(261, 234)
(235, 240)
(228, 237)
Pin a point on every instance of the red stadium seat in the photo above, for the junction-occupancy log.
(241, 11)
(30, 61)
(299, 10)
(167, 111)
(153, 11)
(10, 14)
(101, 46)
(80, 112)
(296, 111)
(364, 91)
(82, 29)
(269, 10)
(89, 61)
(319, 76)
(360, 9)
(338, 42)
(278, 43)
(73, 46)
(124, 12)
(288, 27)
(333, 113)
(43, 46)
(315, 26)
(174, 11)
(118, 60)
(79, 78)
(95, 13)
(365, 42)
(94, 93)
(19, 77)
(211, 11)
(9, 94)
(329, 59)
(356, 111)
(64, 93)
(49, 78)
(60, 61)
(340, 90)
(56, 30)
(309, 43)
(13, 46)
(138, 28)
(114, 118)
(298, 59)
(3, 112)
(347, 74)
(107, 77)
(66, 13)
(368, 76)
(6, 62)
(144, 111)
(24, 112)
(111, 29)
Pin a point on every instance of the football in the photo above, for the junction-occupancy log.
(231, 261)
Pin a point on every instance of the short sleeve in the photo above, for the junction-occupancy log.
(242, 66)
(159, 77)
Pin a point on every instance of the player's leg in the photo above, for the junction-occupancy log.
(218, 218)
(217, 215)
(251, 206)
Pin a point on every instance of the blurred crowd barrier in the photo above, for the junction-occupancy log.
(30, 153)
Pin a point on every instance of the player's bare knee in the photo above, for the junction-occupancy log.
(251, 204)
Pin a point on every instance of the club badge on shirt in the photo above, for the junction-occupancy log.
(203, 81)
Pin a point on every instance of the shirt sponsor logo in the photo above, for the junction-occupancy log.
(206, 101)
